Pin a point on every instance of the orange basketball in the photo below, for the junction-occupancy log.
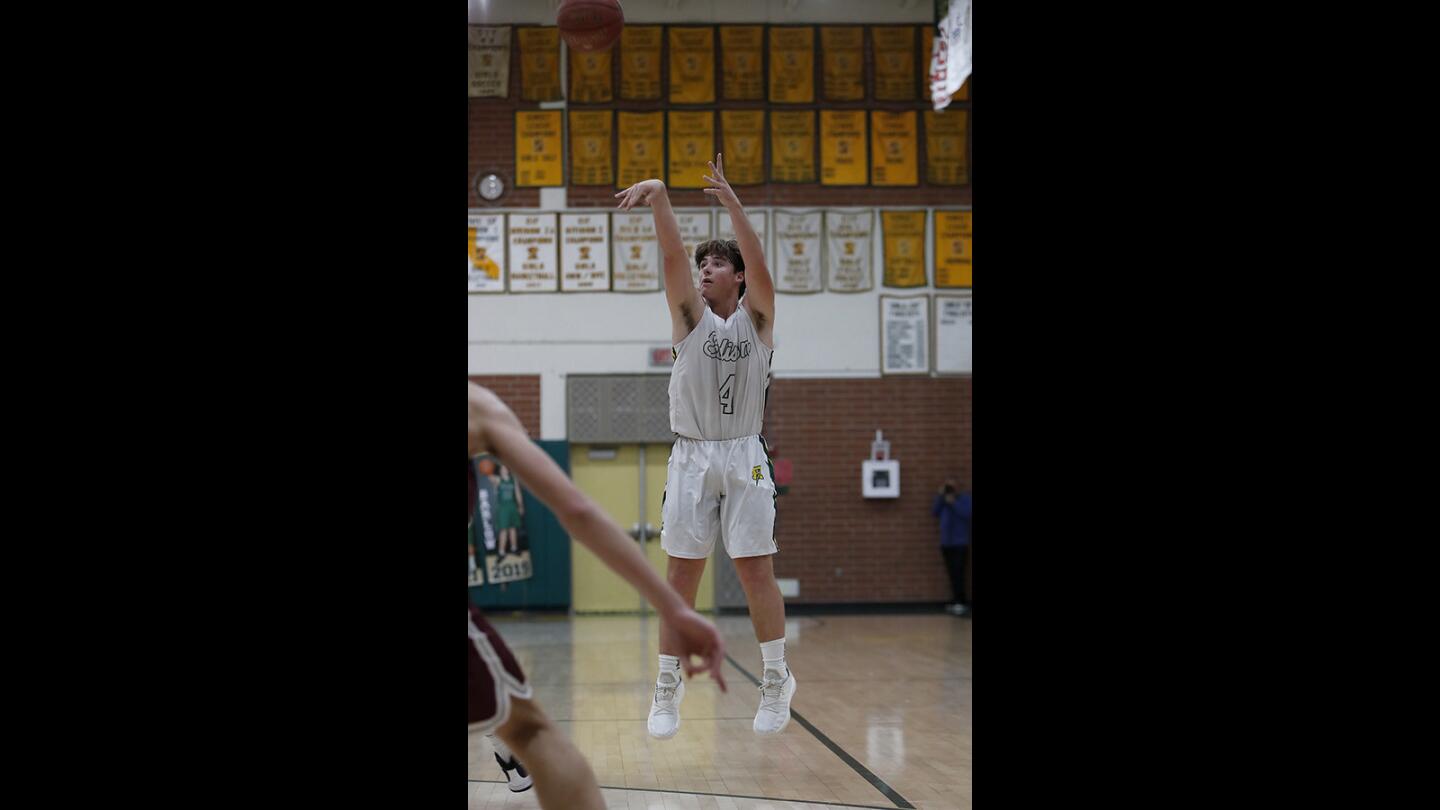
(590, 25)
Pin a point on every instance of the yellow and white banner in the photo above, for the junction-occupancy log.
(585, 250)
(692, 65)
(893, 149)
(848, 236)
(692, 142)
(902, 235)
(792, 146)
(842, 148)
(796, 263)
(792, 65)
(743, 74)
(487, 253)
(946, 161)
(535, 263)
(489, 61)
(640, 62)
(895, 78)
(642, 147)
(952, 249)
(538, 159)
(590, 76)
(842, 51)
(742, 136)
(636, 252)
(539, 63)
(590, 137)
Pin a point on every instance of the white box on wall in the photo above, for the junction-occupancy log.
(880, 479)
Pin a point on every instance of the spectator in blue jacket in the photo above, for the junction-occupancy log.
(953, 508)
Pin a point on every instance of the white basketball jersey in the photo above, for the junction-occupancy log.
(721, 374)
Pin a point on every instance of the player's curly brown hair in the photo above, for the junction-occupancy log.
(727, 249)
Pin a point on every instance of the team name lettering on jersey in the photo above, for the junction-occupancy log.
(726, 350)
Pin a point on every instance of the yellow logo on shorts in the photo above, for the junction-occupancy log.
(755, 474)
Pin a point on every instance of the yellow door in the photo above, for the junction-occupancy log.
(613, 475)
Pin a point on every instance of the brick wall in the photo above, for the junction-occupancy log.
(885, 550)
(520, 392)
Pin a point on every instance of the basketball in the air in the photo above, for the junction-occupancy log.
(590, 25)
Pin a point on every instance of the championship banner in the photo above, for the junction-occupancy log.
(640, 63)
(692, 65)
(742, 138)
(535, 263)
(792, 146)
(894, 62)
(902, 236)
(537, 149)
(952, 249)
(759, 221)
(842, 148)
(590, 136)
(487, 253)
(695, 227)
(847, 250)
(842, 51)
(642, 147)
(796, 263)
(591, 80)
(636, 252)
(539, 64)
(692, 142)
(946, 163)
(743, 76)
(489, 61)
(894, 159)
(585, 252)
(792, 65)
(952, 334)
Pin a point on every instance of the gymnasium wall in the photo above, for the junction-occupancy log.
(827, 398)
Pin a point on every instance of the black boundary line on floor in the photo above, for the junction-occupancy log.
(703, 793)
(864, 772)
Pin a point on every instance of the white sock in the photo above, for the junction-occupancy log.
(501, 748)
(669, 663)
(772, 654)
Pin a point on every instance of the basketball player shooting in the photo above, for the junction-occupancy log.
(720, 483)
